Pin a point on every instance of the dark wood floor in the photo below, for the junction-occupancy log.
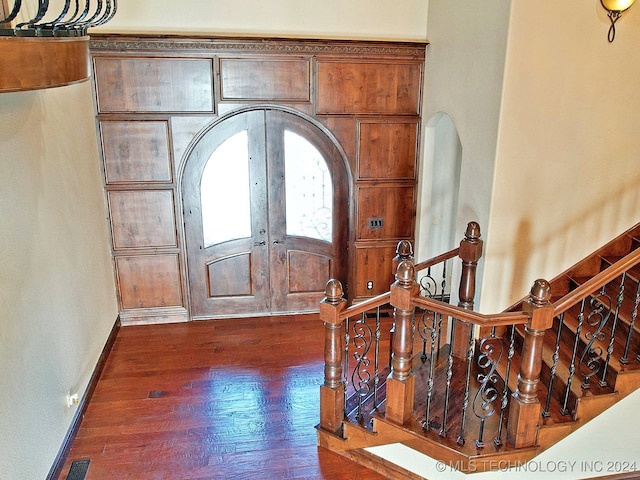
(224, 399)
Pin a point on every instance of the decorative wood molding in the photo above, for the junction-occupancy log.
(259, 45)
(33, 63)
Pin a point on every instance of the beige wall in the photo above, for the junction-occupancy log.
(335, 19)
(57, 296)
(463, 78)
(568, 158)
(546, 111)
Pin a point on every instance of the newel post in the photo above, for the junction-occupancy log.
(525, 408)
(332, 392)
(401, 382)
(470, 253)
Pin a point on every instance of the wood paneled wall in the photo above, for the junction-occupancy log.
(153, 95)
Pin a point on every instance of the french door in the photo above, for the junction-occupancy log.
(265, 208)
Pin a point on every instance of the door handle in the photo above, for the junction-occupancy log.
(257, 244)
(278, 242)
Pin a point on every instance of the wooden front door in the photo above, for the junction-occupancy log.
(265, 207)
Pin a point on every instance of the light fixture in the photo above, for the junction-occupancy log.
(615, 9)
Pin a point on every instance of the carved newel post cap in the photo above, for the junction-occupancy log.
(333, 291)
(540, 292)
(404, 249)
(406, 273)
(472, 233)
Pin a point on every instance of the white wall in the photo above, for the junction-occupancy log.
(57, 294)
(568, 159)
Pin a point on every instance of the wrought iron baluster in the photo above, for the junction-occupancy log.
(634, 315)
(376, 367)
(445, 414)
(345, 359)
(439, 340)
(430, 380)
(491, 350)
(467, 386)
(443, 283)
(591, 358)
(361, 374)
(616, 316)
(43, 6)
(428, 285)
(13, 13)
(77, 19)
(554, 366)
(505, 390)
(572, 367)
(58, 19)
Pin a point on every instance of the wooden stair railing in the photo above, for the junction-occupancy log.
(518, 376)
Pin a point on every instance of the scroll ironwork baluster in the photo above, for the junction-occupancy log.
(490, 354)
(591, 358)
(616, 316)
(361, 374)
(572, 367)
(554, 366)
(467, 386)
(505, 390)
(445, 414)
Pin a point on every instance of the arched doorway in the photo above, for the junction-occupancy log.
(439, 188)
(265, 203)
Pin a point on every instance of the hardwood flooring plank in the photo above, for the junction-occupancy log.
(224, 399)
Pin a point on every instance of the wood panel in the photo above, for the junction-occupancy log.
(352, 87)
(374, 264)
(387, 150)
(278, 79)
(135, 151)
(154, 84)
(230, 276)
(155, 94)
(146, 281)
(142, 218)
(394, 206)
(301, 264)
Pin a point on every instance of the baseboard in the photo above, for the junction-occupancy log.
(58, 464)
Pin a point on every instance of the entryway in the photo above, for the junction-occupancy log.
(265, 203)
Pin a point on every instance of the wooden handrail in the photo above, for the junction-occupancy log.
(365, 305)
(438, 259)
(596, 282)
(469, 316)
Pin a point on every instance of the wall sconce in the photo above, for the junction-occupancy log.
(615, 9)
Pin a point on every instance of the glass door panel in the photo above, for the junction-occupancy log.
(309, 191)
(226, 177)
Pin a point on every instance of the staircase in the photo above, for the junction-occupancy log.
(471, 390)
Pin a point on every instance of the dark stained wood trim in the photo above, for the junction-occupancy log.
(58, 464)
(123, 43)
